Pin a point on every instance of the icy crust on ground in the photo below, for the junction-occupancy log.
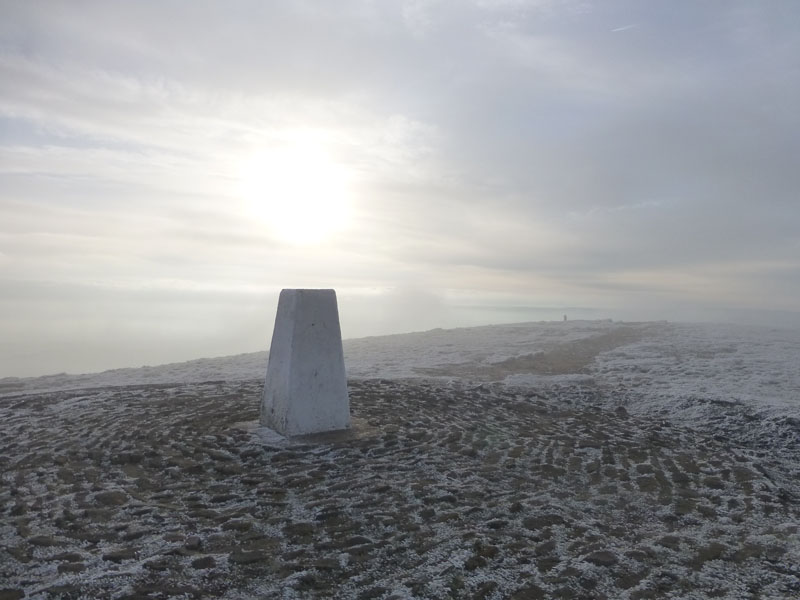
(736, 382)
(465, 351)
(741, 384)
(240, 367)
(578, 460)
(752, 366)
(391, 356)
(441, 490)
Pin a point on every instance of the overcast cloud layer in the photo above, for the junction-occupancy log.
(615, 158)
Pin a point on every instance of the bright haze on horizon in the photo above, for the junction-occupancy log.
(167, 167)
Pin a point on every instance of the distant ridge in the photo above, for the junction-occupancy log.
(389, 355)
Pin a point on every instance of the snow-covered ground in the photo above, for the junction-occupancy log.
(581, 459)
(390, 356)
(731, 380)
(668, 364)
(754, 366)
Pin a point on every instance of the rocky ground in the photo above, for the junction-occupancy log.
(440, 490)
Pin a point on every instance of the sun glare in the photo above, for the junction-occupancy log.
(299, 192)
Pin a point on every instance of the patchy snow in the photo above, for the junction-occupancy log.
(753, 366)
(581, 459)
(670, 362)
(390, 356)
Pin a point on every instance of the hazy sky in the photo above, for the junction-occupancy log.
(443, 163)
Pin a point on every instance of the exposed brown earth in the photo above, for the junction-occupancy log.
(556, 359)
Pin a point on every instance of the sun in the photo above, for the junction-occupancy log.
(298, 191)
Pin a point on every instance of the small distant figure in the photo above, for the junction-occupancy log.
(565, 317)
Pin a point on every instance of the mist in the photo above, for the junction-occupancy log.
(440, 164)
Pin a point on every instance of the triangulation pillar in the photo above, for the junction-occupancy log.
(306, 386)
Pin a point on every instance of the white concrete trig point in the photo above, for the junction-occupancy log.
(306, 386)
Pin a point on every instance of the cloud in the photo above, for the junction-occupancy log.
(531, 151)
